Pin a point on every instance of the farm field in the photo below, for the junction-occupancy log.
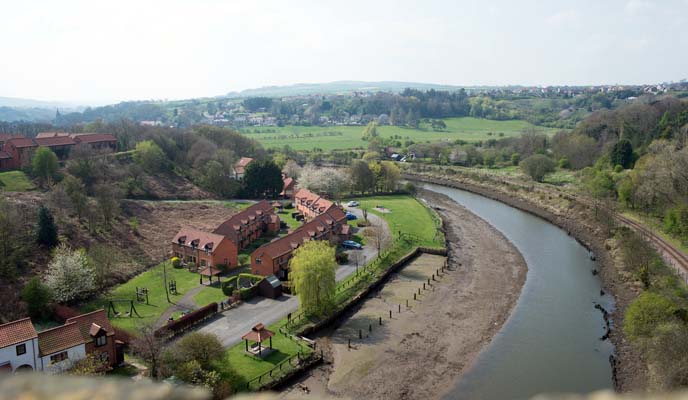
(349, 137)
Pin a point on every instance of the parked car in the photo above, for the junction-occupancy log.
(350, 216)
(350, 244)
(352, 204)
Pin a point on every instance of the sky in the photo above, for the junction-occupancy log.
(108, 51)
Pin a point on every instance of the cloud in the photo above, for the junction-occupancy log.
(567, 17)
(638, 7)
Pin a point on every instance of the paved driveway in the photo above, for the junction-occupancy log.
(230, 325)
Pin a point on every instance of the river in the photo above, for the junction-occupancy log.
(550, 343)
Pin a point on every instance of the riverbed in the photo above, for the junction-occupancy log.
(551, 342)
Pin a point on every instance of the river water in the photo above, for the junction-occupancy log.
(550, 343)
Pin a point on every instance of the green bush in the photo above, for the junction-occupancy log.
(229, 286)
(244, 260)
(564, 163)
(176, 262)
(537, 166)
(646, 313)
(676, 222)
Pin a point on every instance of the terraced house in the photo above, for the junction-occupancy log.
(273, 258)
(310, 205)
(222, 246)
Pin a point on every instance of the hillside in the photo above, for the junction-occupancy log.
(338, 87)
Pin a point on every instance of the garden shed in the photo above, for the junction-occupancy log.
(270, 287)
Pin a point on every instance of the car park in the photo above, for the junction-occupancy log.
(352, 204)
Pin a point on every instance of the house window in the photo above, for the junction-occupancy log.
(101, 341)
(21, 349)
(202, 263)
(257, 260)
(59, 357)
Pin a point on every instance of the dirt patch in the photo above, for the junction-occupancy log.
(172, 187)
(159, 221)
(421, 351)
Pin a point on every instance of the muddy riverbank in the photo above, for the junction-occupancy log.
(421, 351)
(575, 218)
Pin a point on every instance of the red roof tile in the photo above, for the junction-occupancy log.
(21, 142)
(84, 322)
(42, 135)
(92, 137)
(258, 334)
(201, 239)
(16, 332)
(240, 166)
(230, 228)
(55, 141)
(59, 339)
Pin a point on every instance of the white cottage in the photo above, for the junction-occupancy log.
(60, 347)
(18, 346)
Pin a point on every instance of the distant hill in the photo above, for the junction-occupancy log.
(18, 109)
(339, 87)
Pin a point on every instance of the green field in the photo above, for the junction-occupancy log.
(15, 181)
(349, 137)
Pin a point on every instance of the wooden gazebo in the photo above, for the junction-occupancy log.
(210, 272)
(258, 334)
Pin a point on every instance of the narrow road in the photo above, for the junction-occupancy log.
(232, 324)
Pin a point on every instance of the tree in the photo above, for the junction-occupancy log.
(102, 258)
(622, 154)
(537, 166)
(37, 296)
(292, 169)
(108, 198)
(646, 313)
(377, 237)
(362, 178)
(263, 179)
(77, 194)
(46, 230)
(44, 165)
(15, 239)
(150, 156)
(216, 178)
(149, 347)
(69, 276)
(370, 131)
(313, 273)
(203, 348)
(91, 365)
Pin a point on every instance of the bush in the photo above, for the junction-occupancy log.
(196, 346)
(537, 166)
(176, 262)
(46, 232)
(646, 313)
(229, 286)
(342, 258)
(676, 222)
(564, 163)
(515, 158)
(70, 276)
(37, 296)
(410, 188)
(244, 260)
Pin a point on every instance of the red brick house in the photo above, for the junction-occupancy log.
(5, 161)
(273, 258)
(95, 141)
(204, 249)
(240, 167)
(98, 336)
(288, 188)
(310, 204)
(21, 150)
(250, 224)
(60, 145)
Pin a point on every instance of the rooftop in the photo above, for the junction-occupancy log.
(18, 331)
(58, 339)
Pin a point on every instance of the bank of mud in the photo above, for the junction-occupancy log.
(630, 372)
(423, 350)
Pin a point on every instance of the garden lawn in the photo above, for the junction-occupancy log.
(153, 280)
(349, 137)
(291, 222)
(209, 294)
(15, 181)
(239, 367)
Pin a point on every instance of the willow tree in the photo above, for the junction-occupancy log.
(313, 275)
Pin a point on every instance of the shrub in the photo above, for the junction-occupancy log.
(410, 188)
(37, 296)
(134, 225)
(244, 260)
(646, 313)
(70, 276)
(515, 158)
(196, 346)
(229, 286)
(564, 163)
(46, 232)
(537, 166)
(176, 262)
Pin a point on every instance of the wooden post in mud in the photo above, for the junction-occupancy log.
(406, 303)
(380, 320)
(414, 296)
(399, 308)
(418, 291)
(390, 314)
(349, 343)
(423, 285)
(433, 277)
(370, 327)
(360, 334)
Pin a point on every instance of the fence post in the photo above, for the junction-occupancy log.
(360, 334)
(390, 314)
(406, 303)
(399, 308)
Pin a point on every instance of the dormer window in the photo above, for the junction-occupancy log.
(101, 340)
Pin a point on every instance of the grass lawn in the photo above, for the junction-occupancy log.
(209, 294)
(407, 215)
(349, 137)
(291, 222)
(15, 181)
(239, 367)
(153, 280)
